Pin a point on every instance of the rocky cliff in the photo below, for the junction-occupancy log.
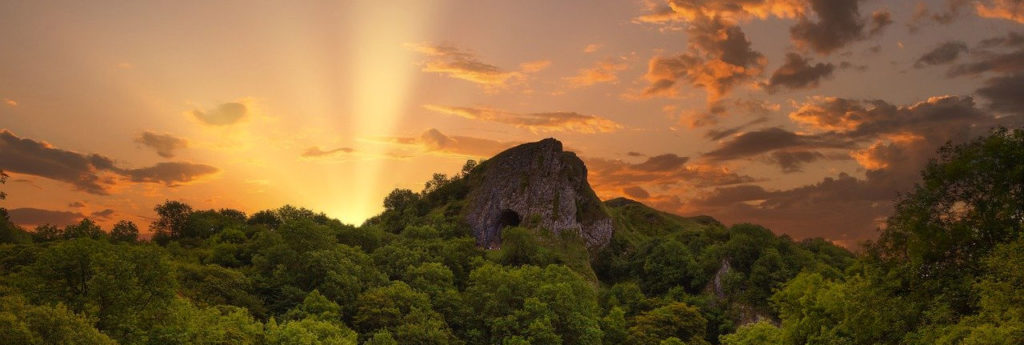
(537, 185)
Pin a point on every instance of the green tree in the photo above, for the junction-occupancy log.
(84, 229)
(124, 231)
(969, 201)
(183, 323)
(758, 333)
(677, 320)
(614, 326)
(23, 323)
(173, 218)
(382, 337)
(384, 307)
(310, 332)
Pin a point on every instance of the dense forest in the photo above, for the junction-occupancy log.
(947, 268)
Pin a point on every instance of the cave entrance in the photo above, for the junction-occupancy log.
(508, 218)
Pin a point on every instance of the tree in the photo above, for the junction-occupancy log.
(3, 180)
(84, 229)
(761, 332)
(182, 323)
(310, 331)
(384, 307)
(23, 323)
(400, 199)
(173, 217)
(118, 285)
(382, 337)
(124, 231)
(970, 200)
(677, 320)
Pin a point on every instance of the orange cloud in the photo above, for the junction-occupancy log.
(461, 64)
(604, 71)
(719, 58)
(547, 122)
(1001, 9)
(534, 66)
(689, 11)
(434, 141)
(10, 102)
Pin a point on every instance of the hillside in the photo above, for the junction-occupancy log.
(419, 273)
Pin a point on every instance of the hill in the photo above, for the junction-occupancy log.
(946, 270)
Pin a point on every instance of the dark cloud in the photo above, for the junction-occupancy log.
(665, 162)
(27, 156)
(838, 24)
(635, 154)
(163, 144)
(90, 173)
(224, 114)
(28, 216)
(766, 140)
(719, 134)
(636, 192)
(169, 173)
(862, 120)
(1005, 94)
(849, 65)
(104, 214)
(1011, 39)
(793, 161)
(76, 204)
(1011, 62)
(798, 73)
(316, 151)
(561, 121)
(943, 54)
(720, 57)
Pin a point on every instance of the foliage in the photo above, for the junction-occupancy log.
(946, 270)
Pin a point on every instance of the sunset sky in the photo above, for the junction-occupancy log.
(806, 116)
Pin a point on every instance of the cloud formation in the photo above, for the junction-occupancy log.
(838, 24)
(316, 151)
(719, 58)
(169, 173)
(103, 214)
(165, 145)
(770, 139)
(457, 63)
(559, 121)
(1005, 93)
(223, 115)
(942, 54)
(91, 173)
(604, 71)
(798, 73)
(28, 216)
(793, 161)
(434, 141)
(1001, 9)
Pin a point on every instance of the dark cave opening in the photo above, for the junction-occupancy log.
(508, 218)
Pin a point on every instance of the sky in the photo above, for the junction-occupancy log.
(806, 116)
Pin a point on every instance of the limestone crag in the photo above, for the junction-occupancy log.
(539, 185)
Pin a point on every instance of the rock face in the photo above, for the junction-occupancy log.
(537, 185)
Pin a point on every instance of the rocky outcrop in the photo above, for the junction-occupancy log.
(537, 185)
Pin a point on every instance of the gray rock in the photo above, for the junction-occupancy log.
(537, 185)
